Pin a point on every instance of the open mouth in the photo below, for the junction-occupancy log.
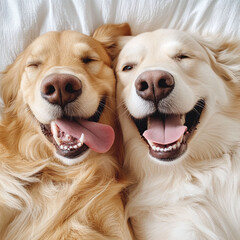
(167, 134)
(73, 136)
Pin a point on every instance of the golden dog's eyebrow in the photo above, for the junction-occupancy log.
(38, 50)
(83, 49)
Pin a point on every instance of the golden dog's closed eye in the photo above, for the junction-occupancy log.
(33, 64)
(88, 59)
(58, 155)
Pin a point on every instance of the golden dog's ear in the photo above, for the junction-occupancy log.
(110, 36)
(225, 56)
(10, 81)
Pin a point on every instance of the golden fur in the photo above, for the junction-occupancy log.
(195, 196)
(40, 197)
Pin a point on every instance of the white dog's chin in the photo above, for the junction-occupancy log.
(73, 161)
(167, 163)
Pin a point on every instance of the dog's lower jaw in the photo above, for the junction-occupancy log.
(178, 153)
(163, 145)
(72, 161)
(164, 157)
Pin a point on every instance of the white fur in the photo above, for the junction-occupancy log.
(196, 196)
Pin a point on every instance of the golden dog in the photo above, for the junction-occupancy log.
(60, 176)
(179, 98)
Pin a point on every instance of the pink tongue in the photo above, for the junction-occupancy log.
(99, 137)
(165, 131)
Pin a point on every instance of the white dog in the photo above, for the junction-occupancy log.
(179, 107)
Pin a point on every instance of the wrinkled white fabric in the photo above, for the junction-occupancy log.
(22, 21)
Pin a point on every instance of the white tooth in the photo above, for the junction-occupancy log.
(53, 127)
(65, 147)
(174, 147)
(81, 139)
(55, 132)
(161, 150)
(68, 136)
(57, 140)
(75, 146)
(165, 149)
(170, 148)
(158, 149)
(183, 119)
(178, 144)
(181, 139)
(79, 144)
(154, 148)
(61, 146)
(70, 147)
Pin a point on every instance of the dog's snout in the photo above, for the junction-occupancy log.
(154, 85)
(61, 89)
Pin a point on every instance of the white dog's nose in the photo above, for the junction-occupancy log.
(154, 85)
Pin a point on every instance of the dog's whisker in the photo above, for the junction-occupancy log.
(176, 146)
(125, 112)
(122, 104)
(56, 155)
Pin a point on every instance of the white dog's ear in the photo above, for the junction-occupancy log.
(111, 36)
(225, 56)
(228, 55)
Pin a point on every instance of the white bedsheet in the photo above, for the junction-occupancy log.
(23, 20)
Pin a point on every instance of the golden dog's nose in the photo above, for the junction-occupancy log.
(61, 89)
(154, 85)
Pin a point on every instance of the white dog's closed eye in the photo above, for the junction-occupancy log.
(178, 101)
